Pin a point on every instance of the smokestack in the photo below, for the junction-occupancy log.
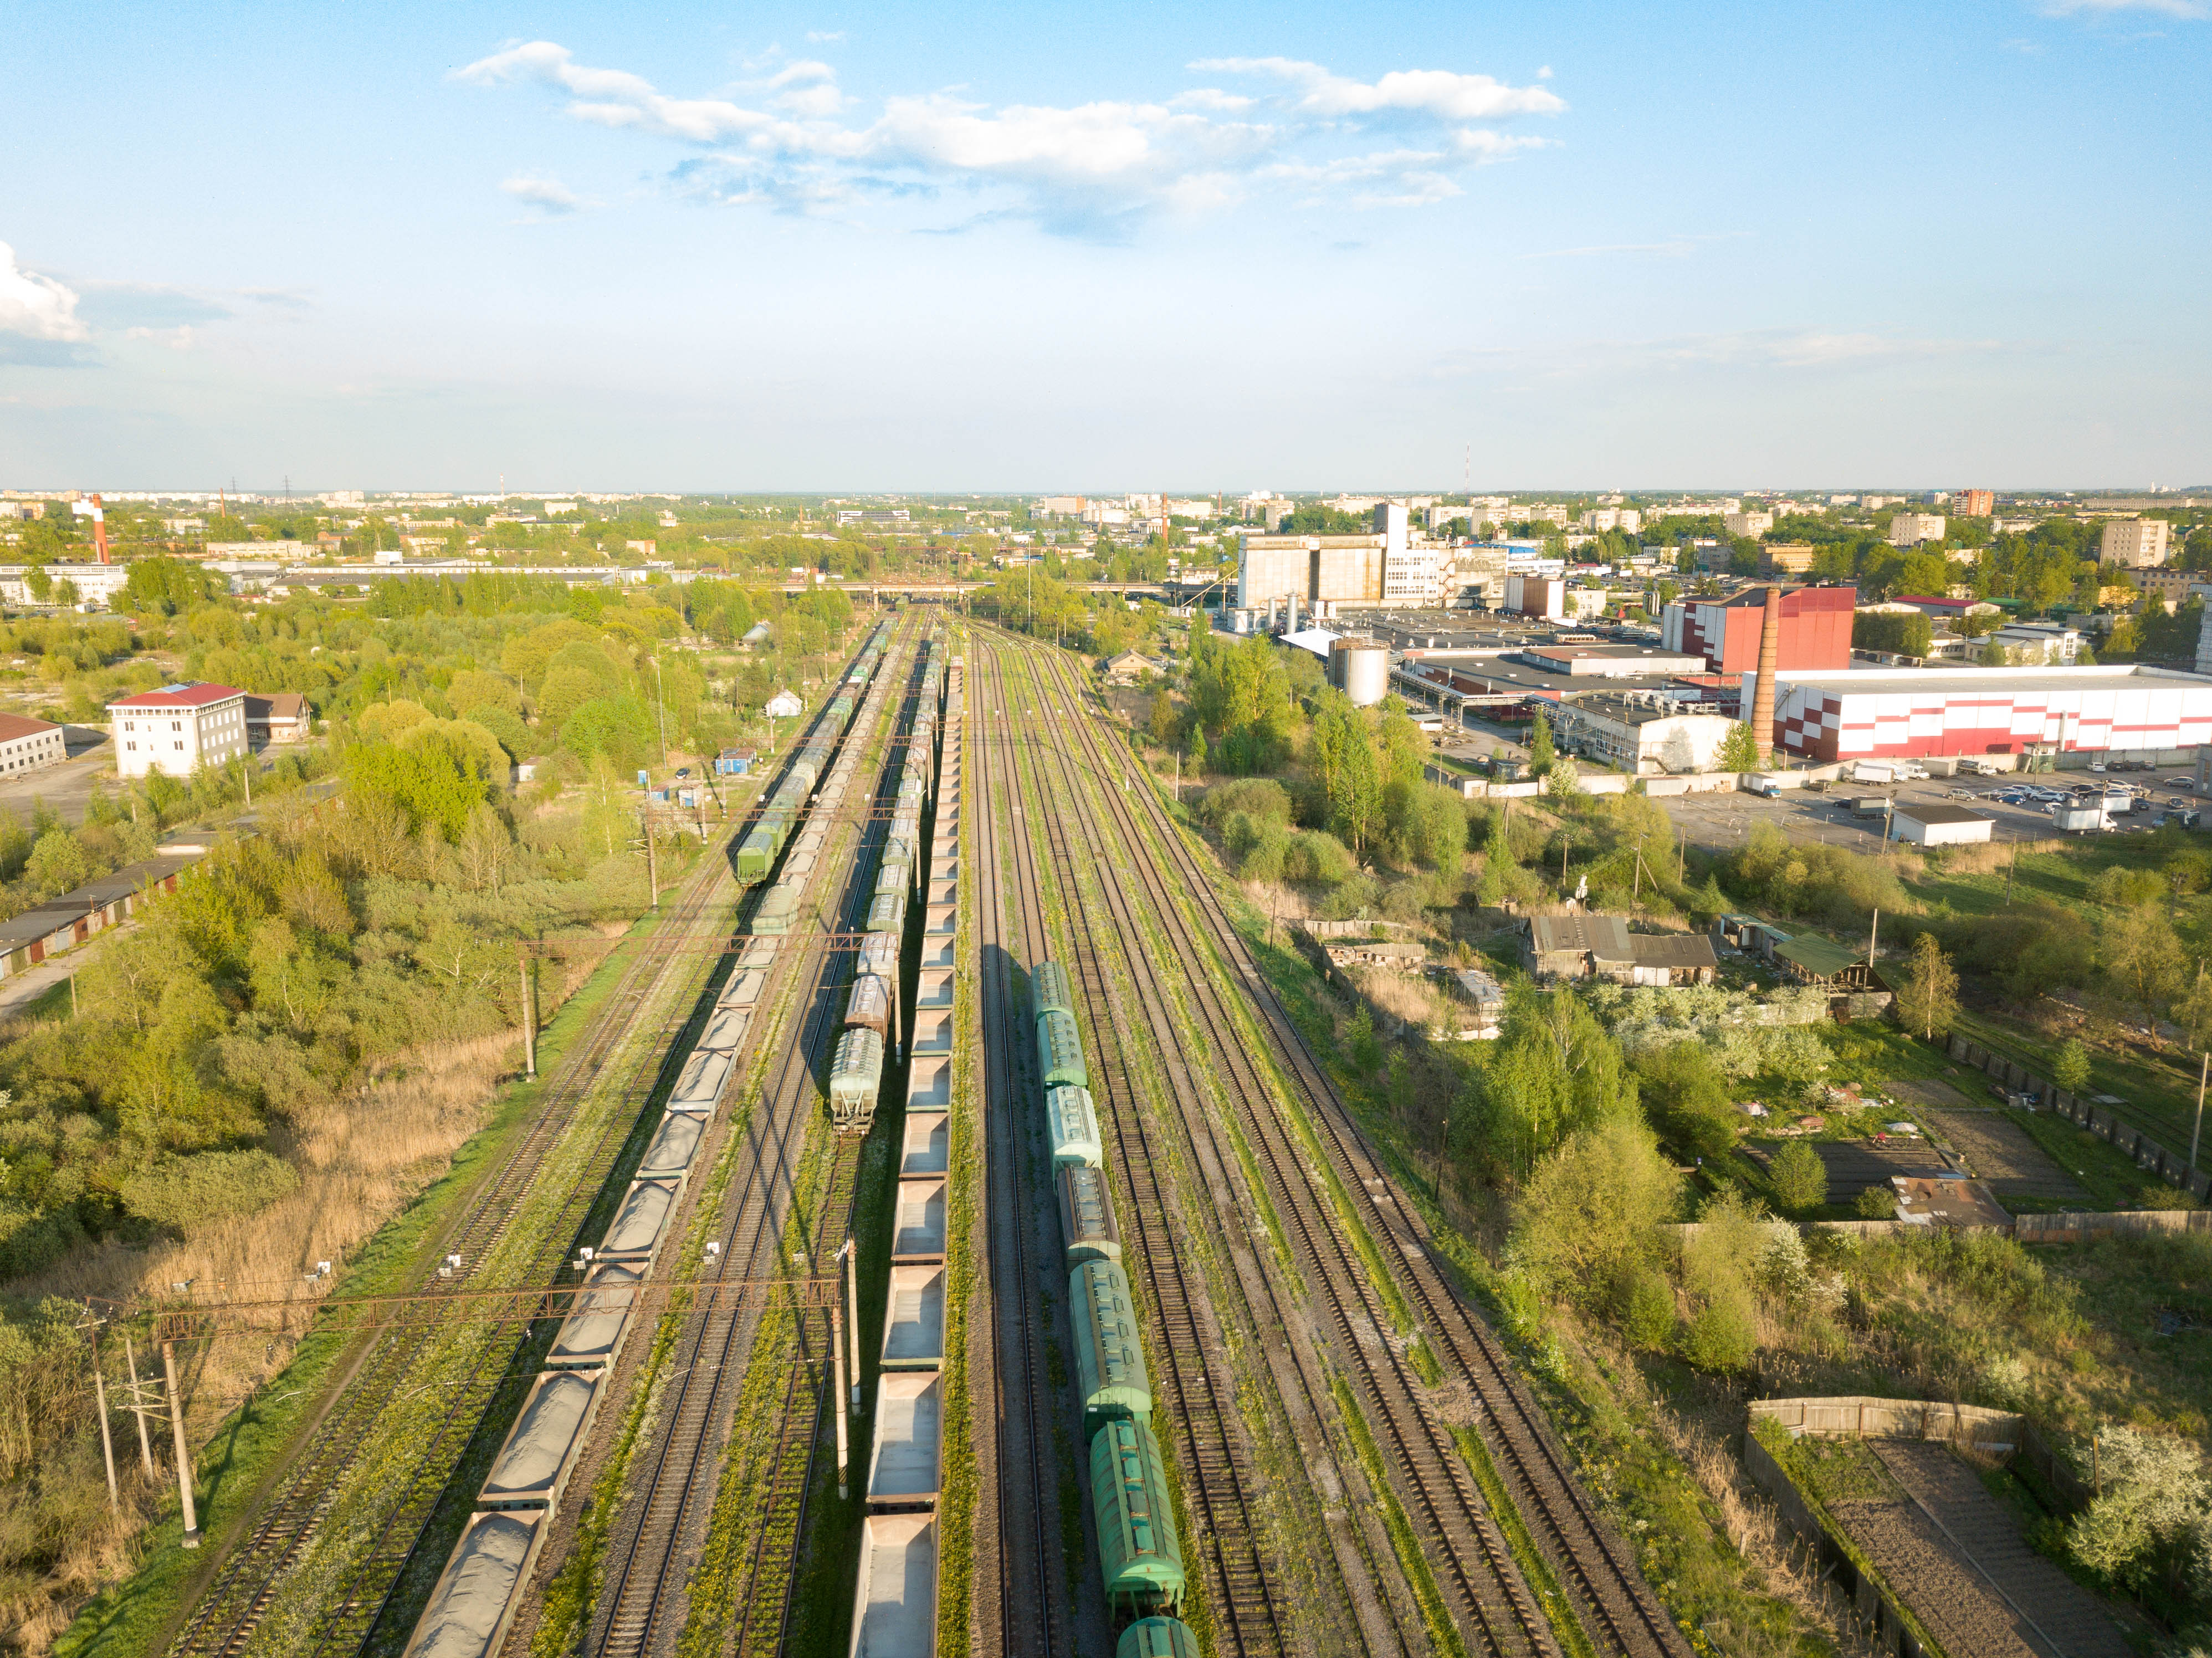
(1762, 702)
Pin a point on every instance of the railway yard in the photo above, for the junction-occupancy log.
(941, 1241)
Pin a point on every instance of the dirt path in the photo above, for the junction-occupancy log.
(1999, 1151)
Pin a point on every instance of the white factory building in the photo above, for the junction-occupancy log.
(1883, 713)
(178, 729)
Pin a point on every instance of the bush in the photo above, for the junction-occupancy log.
(1686, 1097)
(1588, 1225)
(1876, 1203)
(1647, 1313)
(1801, 1179)
(1316, 856)
(1723, 1335)
(1259, 799)
(182, 1193)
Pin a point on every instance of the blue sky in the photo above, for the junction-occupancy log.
(1053, 246)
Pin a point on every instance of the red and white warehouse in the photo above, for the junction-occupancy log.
(1913, 711)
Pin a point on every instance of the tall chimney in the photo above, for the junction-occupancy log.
(1762, 702)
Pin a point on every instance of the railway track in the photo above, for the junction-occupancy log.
(1030, 1593)
(661, 1526)
(252, 1578)
(1241, 1595)
(1613, 1603)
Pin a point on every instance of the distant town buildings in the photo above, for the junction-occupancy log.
(1601, 518)
(178, 729)
(1914, 528)
(2135, 543)
(1972, 503)
(1747, 524)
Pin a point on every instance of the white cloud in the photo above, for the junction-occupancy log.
(35, 306)
(1434, 91)
(546, 195)
(181, 338)
(824, 37)
(1088, 168)
(2190, 10)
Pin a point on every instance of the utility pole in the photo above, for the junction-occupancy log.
(1874, 934)
(138, 1406)
(2196, 1129)
(2011, 863)
(107, 1439)
(651, 867)
(191, 1538)
(529, 1016)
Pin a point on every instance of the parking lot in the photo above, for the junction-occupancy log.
(1720, 821)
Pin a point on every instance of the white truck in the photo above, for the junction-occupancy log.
(1873, 771)
(2080, 818)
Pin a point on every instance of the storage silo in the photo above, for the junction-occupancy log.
(1361, 668)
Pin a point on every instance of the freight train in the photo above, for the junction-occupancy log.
(473, 1602)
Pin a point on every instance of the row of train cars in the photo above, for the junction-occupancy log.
(473, 1604)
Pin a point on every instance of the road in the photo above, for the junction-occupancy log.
(64, 788)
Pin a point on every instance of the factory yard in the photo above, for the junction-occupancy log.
(1723, 821)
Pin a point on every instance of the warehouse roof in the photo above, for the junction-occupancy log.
(1931, 811)
(1673, 949)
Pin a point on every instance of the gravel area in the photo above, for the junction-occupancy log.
(1999, 1151)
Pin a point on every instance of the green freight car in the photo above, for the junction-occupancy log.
(1060, 1051)
(777, 910)
(1086, 1215)
(1109, 1364)
(1142, 1559)
(1158, 1637)
(1049, 989)
(757, 853)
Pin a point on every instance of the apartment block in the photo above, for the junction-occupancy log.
(2135, 543)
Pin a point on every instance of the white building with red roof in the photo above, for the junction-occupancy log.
(178, 729)
(26, 744)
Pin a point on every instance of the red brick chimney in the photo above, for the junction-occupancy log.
(1762, 702)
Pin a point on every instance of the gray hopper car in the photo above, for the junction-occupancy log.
(476, 1597)
(541, 1449)
(591, 1335)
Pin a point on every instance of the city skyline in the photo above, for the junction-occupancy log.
(847, 252)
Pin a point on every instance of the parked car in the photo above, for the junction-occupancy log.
(2181, 782)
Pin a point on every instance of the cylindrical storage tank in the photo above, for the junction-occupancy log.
(1071, 1121)
(1049, 989)
(675, 1143)
(1158, 1637)
(1086, 1215)
(1141, 1558)
(1109, 1364)
(1060, 1051)
(856, 1074)
(869, 1005)
(1361, 668)
(778, 907)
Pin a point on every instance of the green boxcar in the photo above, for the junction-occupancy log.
(1158, 1637)
(1142, 1561)
(1071, 1123)
(757, 852)
(1086, 1215)
(1049, 988)
(887, 913)
(1109, 1364)
(1060, 1051)
(892, 878)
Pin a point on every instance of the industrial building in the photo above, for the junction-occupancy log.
(1879, 713)
(27, 744)
(1934, 823)
(1392, 565)
(1642, 732)
(1815, 632)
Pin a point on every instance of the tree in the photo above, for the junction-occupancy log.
(1539, 745)
(2142, 956)
(1993, 654)
(1928, 1000)
(2071, 1069)
(1738, 749)
(1801, 1179)
(1592, 1211)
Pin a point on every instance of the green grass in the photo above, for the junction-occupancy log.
(252, 1446)
(2109, 1175)
(2159, 1093)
